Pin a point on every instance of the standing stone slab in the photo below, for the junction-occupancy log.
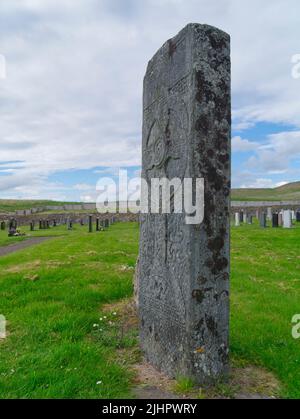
(275, 220)
(90, 223)
(263, 219)
(184, 269)
(237, 219)
(287, 219)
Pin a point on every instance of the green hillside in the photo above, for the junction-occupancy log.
(287, 192)
(9, 205)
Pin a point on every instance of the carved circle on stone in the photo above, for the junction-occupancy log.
(159, 152)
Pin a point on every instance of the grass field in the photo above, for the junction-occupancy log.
(53, 296)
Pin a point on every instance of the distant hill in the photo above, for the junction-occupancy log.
(288, 192)
(10, 205)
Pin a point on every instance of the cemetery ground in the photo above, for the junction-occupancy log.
(72, 331)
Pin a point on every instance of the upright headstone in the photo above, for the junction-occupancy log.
(40, 224)
(280, 219)
(298, 216)
(3, 225)
(184, 269)
(237, 219)
(12, 227)
(287, 219)
(263, 219)
(90, 223)
(275, 220)
(270, 213)
(32, 226)
(97, 224)
(106, 223)
(250, 219)
(241, 217)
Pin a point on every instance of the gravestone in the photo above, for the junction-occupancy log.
(97, 224)
(237, 219)
(280, 219)
(12, 227)
(90, 224)
(263, 219)
(269, 213)
(3, 225)
(40, 224)
(275, 220)
(32, 226)
(241, 217)
(106, 223)
(298, 216)
(183, 278)
(250, 219)
(287, 219)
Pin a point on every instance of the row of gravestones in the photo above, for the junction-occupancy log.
(46, 224)
(283, 218)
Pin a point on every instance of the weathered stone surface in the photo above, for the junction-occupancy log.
(184, 269)
(287, 219)
(275, 220)
(263, 219)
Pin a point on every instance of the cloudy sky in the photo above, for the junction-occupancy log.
(70, 104)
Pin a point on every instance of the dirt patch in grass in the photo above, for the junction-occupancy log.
(245, 382)
(12, 248)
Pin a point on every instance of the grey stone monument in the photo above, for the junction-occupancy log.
(184, 269)
(90, 223)
(270, 213)
(263, 219)
(275, 220)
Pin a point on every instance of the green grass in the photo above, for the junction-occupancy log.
(265, 296)
(54, 351)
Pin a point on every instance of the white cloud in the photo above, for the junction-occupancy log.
(278, 154)
(242, 145)
(263, 183)
(72, 98)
